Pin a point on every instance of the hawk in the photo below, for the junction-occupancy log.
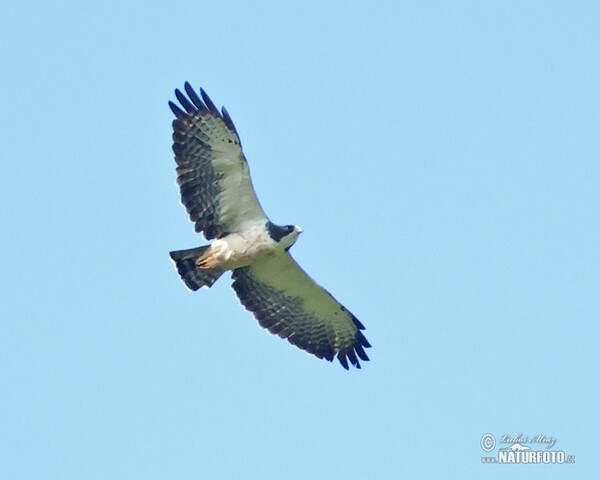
(217, 192)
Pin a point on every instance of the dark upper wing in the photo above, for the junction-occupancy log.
(287, 302)
(212, 172)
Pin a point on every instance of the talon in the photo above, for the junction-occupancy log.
(202, 263)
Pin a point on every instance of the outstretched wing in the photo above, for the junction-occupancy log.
(287, 302)
(212, 172)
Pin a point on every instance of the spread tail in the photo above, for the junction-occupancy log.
(192, 276)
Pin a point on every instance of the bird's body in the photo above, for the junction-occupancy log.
(244, 248)
(217, 192)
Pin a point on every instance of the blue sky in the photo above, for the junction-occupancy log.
(442, 160)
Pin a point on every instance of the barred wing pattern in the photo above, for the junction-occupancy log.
(287, 302)
(212, 173)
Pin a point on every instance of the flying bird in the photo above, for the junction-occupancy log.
(216, 190)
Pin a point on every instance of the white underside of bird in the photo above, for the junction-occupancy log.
(245, 248)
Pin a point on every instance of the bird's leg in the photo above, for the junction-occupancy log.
(203, 262)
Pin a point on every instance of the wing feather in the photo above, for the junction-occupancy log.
(209, 103)
(212, 173)
(194, 96)
(288, 303)
(189, 108)
(176, 110)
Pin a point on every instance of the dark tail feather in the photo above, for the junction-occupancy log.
(192, 276)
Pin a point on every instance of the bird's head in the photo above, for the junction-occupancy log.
(291, 237)
(285, 235)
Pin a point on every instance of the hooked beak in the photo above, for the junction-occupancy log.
(297, 229)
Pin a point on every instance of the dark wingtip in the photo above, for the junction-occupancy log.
(342, 358)
(209, 103)
(194, 96)
(352, 357)
(227, 119)
(201, 103)
(348, 357)
(176, 110)
(361, 353)
(357, 322)
(185, 103)
(363, 340)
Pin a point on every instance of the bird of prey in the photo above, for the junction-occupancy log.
(217, 192)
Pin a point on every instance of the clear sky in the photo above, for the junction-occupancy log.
(443, 161)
